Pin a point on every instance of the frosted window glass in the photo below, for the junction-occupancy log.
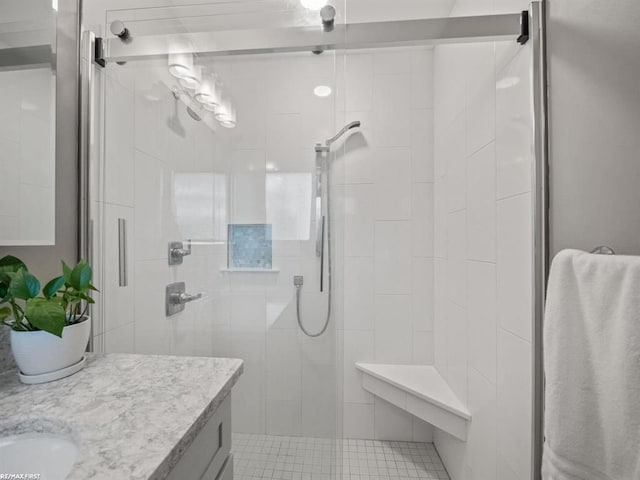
(289, 205)
(201, 205)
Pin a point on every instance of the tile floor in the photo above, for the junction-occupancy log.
(303, 458)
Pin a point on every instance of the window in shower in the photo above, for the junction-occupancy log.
(289, 205)
(201, 205)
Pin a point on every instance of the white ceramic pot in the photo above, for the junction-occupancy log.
(41, 352)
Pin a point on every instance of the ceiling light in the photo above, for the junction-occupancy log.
(322, 91)
(313, 4)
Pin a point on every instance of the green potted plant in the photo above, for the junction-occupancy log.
(50, 327)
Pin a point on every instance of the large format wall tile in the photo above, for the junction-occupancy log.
(383, 213)
(482, 244)
(514, 402)
(514, 267)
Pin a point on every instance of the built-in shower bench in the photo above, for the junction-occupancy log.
(419, 390)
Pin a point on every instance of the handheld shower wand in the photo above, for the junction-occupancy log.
(323, 223)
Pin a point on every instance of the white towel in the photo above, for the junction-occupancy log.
(592, 368)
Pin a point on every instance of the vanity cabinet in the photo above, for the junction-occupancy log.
(209, 455)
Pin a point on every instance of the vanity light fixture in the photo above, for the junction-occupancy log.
(313, 4)
(322, 91)
(191, 80)
(225, 113)
(208, 92)
(180, 64)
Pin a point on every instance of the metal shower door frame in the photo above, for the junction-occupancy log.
(428, 31)
(541, 225)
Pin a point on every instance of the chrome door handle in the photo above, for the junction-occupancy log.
(177, 252)
(122, 253)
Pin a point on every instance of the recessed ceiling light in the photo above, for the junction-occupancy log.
(322, 91)
(313, 4)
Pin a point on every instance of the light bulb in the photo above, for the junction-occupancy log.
(192, 79)
(208, 92)
(225, 113)
(180, 64)
(313, 4)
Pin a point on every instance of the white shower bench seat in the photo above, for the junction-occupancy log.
(419, 390)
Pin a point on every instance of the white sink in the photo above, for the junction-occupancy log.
(50, 455)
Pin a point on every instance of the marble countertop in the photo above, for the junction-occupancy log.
(132, 415)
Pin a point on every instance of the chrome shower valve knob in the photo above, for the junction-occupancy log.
(177, 252)
(182, 298)
(176, 298)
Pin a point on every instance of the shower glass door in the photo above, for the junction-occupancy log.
(226, 221)
(204, 182)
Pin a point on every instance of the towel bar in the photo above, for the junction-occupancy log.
(603, 250)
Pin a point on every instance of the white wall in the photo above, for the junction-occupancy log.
(483, 321)
(387, 181)
(594, 120)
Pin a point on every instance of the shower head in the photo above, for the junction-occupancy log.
(344, 130)
(330, 141)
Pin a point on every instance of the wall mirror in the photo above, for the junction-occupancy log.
(27, 121)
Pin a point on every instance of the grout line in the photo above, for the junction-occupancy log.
(521, 194)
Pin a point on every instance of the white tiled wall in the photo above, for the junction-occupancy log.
(430, 250)
(383, 230)
(172, 178)
(483, 251)
(386, 177)
(138, 179)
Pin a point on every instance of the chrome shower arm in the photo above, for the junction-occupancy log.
(344, 130)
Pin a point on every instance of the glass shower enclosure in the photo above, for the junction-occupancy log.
(207, 199)
(214, 208)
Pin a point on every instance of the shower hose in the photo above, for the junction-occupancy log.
(298, 285)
